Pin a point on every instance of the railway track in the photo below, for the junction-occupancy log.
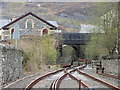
(69, 73)
(110, 86)
(111, 80)
(23, 82)
(49, 78)
(56, 83)
(18, 82)
(73, 77)
(109, 75)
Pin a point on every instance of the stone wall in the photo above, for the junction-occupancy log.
(11, 63)
(0, 71)
(112, 66)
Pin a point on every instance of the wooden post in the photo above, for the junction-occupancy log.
(103, 70)
(97, 69)
(79, 84)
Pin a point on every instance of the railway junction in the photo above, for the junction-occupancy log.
(74, 77)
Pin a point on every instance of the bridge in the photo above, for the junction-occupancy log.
(75, 38)
(76, 41)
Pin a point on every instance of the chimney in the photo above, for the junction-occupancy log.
(13, 18)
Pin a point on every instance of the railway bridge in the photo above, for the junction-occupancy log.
(75, 40)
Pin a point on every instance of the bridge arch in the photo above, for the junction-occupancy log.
(76, 40)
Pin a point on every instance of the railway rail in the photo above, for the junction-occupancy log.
(73, 73)
(56, 83)
(19, 80)
(34, 82)
(109, 75)
(19, 83)
(68, 72)
(99, 80)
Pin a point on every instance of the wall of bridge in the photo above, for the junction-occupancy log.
(10, 63)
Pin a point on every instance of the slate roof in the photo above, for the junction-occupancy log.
(53, 23)
(4, 22)
(29, 13)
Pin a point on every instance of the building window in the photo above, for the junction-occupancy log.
(29, 24)
(45, 31)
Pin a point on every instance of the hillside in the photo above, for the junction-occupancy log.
(70, 15)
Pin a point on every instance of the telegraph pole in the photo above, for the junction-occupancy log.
(16, 34)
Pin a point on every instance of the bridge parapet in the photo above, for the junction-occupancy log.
(75, 38)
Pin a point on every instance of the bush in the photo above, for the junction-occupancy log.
(38, 52)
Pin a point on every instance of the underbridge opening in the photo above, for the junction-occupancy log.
(71, 53)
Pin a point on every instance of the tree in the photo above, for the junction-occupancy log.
(47, 49)
(102, 45)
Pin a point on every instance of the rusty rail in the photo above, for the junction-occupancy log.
(71, 67)
(98, 80)
(82, 67)
(47, 75)
(79, 81)
(53, 85)
(58, 82)
(109, 75)
(41, 78)
(84, 85)
(21, 80)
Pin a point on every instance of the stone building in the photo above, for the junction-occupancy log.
(29, 25)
